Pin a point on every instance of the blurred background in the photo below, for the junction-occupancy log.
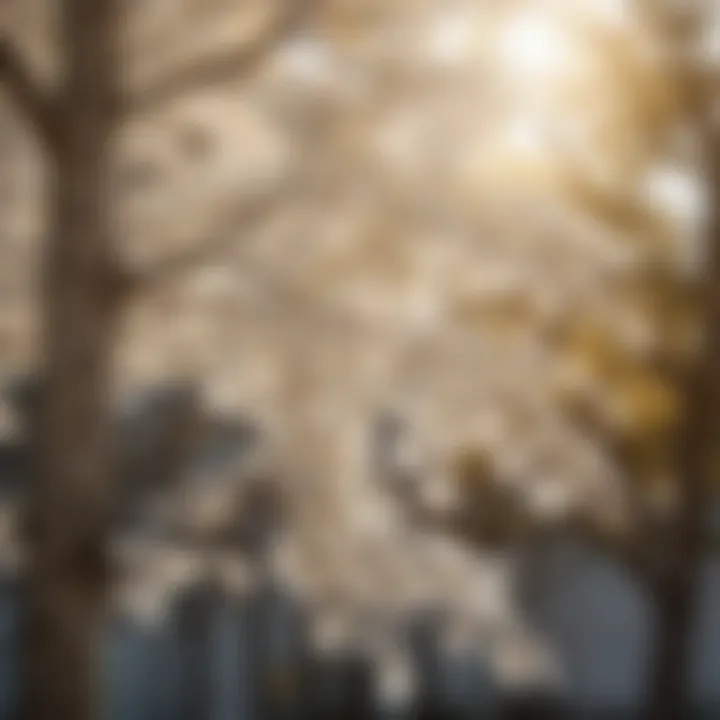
(358, 359)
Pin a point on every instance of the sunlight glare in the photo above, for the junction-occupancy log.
(535, 46)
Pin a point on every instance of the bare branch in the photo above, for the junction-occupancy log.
(243, 218)
(235, 63)
(31, 100)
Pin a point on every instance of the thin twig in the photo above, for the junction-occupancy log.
(234, 64)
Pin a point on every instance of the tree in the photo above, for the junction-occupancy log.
(679, 582)
(651, 403)
(419, 245)
(84, 291)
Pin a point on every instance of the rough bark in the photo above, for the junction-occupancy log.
(69, 520)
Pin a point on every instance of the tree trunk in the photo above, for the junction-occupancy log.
(69, 515)
(674, 614)
(677, 592)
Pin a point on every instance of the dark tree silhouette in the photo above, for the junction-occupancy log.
(84, 290)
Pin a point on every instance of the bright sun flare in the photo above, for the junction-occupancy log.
(535, 46)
